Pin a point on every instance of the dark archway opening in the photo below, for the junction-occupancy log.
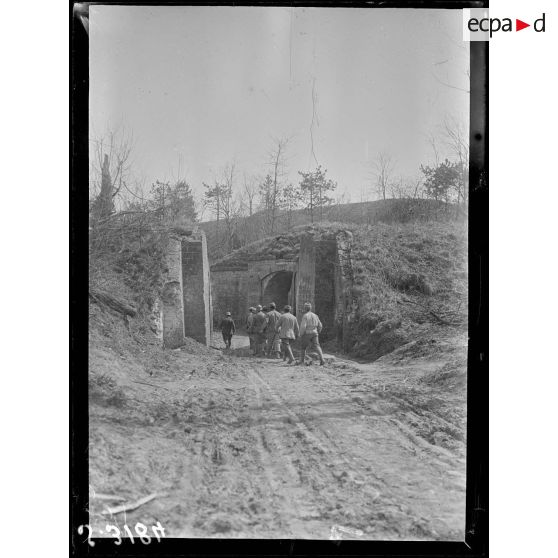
(277, 288)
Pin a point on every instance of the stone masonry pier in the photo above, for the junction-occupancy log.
(186, 298)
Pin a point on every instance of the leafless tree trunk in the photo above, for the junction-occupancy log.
(109, 171)
(250, 191)
(104, 205)
(457, 140)
(434, 145)
(382, 169)
(278, 164)
(229, 207)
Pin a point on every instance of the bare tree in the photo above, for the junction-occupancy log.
(382, 171)
(109, 171)
(230, 206)
(213, 200)
(406, 188)
(417, 184)
(456, 138)
(223, 203)
(397, 188)
(277, 162)
(434, 145)
(266, 203)
(250, 191)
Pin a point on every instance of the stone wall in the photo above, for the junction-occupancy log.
(325, 295)
(196, 289)
(228, 287)
(186, 297)
(171, 298)
(346, 307)
(235, 289)
(305, 275)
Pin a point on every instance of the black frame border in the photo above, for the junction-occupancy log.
(476, 537)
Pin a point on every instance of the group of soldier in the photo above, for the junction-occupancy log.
(272, 334)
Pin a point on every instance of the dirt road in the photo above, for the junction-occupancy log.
(245, 447)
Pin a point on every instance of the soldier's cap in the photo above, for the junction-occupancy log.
(307, 305)
(287, 308)
(272, 305)
(228, 314)
(259, 307)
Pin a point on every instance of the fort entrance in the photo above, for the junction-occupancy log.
(320, 274)
(279, 287)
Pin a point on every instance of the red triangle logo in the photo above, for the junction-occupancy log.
(519, 25)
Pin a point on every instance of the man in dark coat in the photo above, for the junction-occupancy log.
(250, 328)
(227, 329)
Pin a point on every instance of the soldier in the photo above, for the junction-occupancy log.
(250, 327)
(259, 326)
(310, 328)
(273, 340)
(265, 310)
(287, 328)
(227, 329)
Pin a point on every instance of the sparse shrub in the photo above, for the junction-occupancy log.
(102, 381)
(415, 246)
(412, 282)
(381, 340)
(117, 399)
(104, 390)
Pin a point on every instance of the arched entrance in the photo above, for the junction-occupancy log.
(276, 287)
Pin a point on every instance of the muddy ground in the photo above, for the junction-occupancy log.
(249, 447)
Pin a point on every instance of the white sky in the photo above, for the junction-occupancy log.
(209, 85)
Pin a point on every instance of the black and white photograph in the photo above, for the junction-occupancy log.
(278, 273)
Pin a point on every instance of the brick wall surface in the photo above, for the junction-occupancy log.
(172, 302)
(207, 291)
(324, 286)
(344, 280)
(306, 275)
(195, 288)
(228, 289)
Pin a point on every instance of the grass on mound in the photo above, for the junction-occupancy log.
(282, 246)
(406, 275)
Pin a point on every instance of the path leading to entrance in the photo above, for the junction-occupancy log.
(245, 447)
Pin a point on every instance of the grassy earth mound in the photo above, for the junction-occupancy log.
(250, 229)
(408, 278)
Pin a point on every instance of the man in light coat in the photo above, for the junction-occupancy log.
(310, 328)
(273, 340)
(287, 328)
